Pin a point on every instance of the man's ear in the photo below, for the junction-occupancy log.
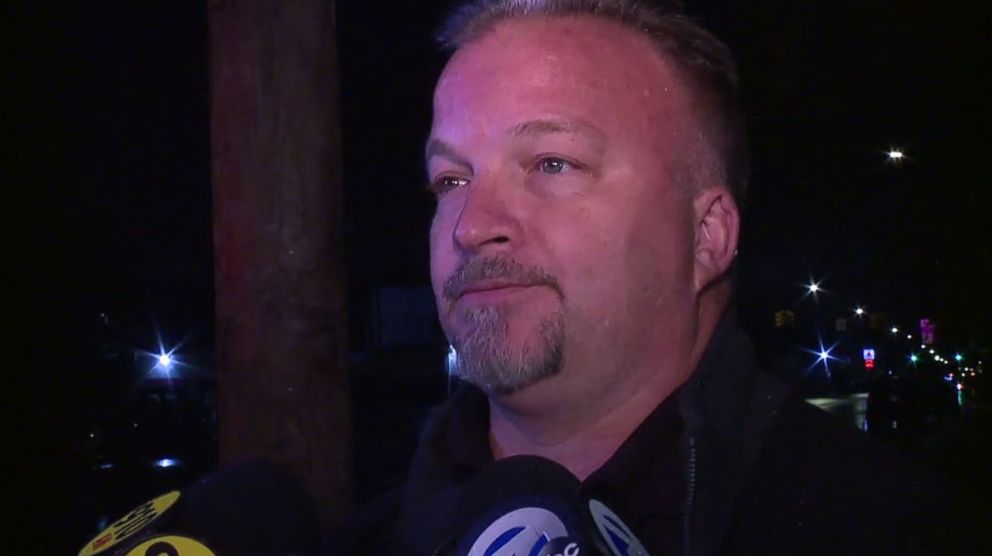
(717, 221)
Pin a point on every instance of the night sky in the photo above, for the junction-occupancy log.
(110, 166)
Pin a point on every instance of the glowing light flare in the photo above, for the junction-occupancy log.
(814, 288)
(859, 311)
(895, 330)
(895, 156)
(164, 361)
(823, 355)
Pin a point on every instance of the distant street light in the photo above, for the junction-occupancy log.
(909, 336)
(813, 288)
(859, 311)
(913, 358)
(823, 355)
(896, 154)
(958, 357)
(165, 360)
(895, 330)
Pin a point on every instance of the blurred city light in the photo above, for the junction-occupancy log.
(166, 463)
(895, 330)
(823, 355)
(813, 288)
(165, 360)
(958, 357)
(859, 311)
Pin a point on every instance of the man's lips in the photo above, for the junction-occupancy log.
(491, 288)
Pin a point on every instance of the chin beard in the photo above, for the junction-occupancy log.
(487, 359)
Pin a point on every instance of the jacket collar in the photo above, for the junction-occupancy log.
(727, 406)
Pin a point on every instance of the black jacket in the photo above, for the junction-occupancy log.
(762, 472)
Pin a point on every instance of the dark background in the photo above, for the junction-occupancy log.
(108, 160)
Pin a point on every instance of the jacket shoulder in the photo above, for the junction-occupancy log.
(821, 486)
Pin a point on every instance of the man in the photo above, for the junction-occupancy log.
(587, 158)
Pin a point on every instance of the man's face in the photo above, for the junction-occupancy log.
(561, 243)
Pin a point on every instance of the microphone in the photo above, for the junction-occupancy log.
(531, 506)
(521, 505)
(614, 536)
(255, 508)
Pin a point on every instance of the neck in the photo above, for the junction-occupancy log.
(581, 427)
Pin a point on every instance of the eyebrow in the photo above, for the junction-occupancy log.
(530, 128)
(437, 147)
(547, 127)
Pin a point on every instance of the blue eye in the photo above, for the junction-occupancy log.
(553, 165)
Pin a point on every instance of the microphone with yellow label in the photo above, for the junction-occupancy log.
(245, 510)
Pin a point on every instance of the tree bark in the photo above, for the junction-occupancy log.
(280, 300)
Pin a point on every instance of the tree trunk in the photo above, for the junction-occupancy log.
(281, 321)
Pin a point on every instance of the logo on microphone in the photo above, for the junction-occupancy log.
(619, 538)
(524, 532)
(136, 520)
(170, 545)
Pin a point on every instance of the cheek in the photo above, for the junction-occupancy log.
(659, 257)
(624, 260)
(441, 247)
(589, 258)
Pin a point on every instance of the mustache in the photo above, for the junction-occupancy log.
(497, 268)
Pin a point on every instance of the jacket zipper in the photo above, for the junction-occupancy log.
(690, 496)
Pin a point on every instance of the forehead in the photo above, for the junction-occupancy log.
(575, 67)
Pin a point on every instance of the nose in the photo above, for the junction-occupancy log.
(487, 222)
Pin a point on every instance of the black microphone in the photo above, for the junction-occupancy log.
(523, 505)
(531, 506)
(255, 508)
